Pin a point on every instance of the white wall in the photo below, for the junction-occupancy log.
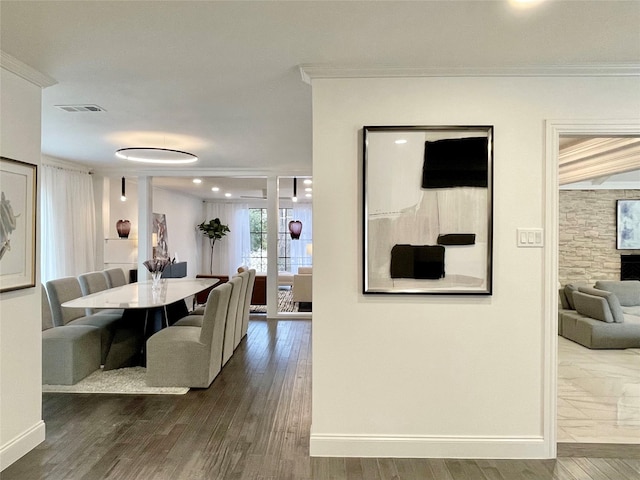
(182, 212)
(21, 425)
(442, 376)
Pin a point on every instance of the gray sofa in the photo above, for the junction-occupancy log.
(606, 315)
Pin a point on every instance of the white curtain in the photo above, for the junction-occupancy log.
(68, 226)
(229, 252)
(302, 249)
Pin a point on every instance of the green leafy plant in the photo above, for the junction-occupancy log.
(214, 230)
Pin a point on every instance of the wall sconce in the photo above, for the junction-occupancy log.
(123, 196)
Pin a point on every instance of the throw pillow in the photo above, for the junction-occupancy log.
(592, 306)
(612, 300)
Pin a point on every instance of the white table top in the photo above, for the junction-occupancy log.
(141, 295)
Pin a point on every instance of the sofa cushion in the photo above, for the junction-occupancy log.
(631, 310)
(564, 303)
(569, 288)
(593, 306)
(612, 300)
(627, 291)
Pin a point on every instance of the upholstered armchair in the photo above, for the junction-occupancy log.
(302, 285)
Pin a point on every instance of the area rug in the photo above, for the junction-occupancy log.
(285, 302)
(119, 381)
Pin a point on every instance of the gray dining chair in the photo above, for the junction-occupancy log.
(68, 288)
(190, 356)
(235, 303)
(237, 334)
(93, 282)
(115, 277)
(69, 353)
(247, 303)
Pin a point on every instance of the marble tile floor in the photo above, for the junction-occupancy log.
(598, 394)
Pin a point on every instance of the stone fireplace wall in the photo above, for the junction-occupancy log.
(587, 231)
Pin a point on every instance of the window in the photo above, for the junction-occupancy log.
(284, 240)
(258, 239)
(258, 234)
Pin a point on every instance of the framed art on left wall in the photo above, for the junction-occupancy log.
(18, 182)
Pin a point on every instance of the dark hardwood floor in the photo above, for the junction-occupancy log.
(252, 423)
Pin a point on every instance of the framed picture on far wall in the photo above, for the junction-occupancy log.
(17, 225)
(428, 209)
(628, 225)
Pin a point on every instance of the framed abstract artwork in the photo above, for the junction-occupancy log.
(628, 224)
(17, 224)
(427, 209)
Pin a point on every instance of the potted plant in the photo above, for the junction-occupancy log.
(214, 230)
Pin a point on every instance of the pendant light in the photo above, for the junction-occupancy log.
(123, 196)
(295, 190)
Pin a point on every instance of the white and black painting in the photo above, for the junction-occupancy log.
(628, 222)
(17, 224)
(428, 210)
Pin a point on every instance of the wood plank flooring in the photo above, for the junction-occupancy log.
(251, 424)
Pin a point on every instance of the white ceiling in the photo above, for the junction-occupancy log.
(221, 79)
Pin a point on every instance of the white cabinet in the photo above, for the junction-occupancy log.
(121, 252)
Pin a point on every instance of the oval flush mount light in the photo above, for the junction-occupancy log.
(155, 155)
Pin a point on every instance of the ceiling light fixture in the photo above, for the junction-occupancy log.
(197, 181)
(215, 189)
(227, 194)
(308, 181)
(123, 196)
(156, 155)
(400, 141)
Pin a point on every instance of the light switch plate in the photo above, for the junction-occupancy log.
(530, 237)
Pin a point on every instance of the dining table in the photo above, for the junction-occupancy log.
(151, 297)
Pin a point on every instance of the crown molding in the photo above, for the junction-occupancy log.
(311, 72)
(598, 157)
(23, 70)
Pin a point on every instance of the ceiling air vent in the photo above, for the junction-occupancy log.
(81, 108)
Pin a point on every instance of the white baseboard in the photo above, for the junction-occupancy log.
(422, 446)
(21, 445)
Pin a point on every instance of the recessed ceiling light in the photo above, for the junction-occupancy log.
(308, 195)
(215, 189)
(308, 189)
(227, 194)
(400, 141)
(525, 3)
(197, 180)
(308, 181)
(156, 155)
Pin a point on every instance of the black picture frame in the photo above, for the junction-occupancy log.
(428, 210)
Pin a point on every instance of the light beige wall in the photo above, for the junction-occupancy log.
(587, 233)
(443, 376)
(21, 425)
